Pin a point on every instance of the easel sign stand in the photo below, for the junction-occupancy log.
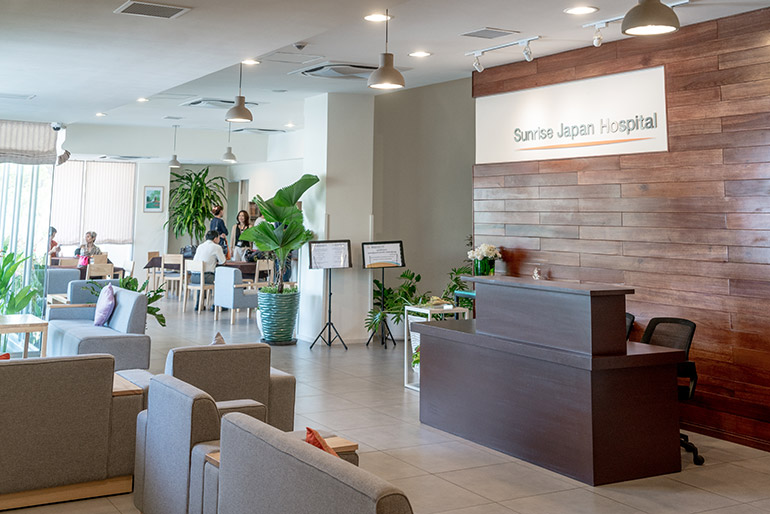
(329, 255)
(383, 254)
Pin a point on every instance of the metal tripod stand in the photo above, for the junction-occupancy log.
(329, 325)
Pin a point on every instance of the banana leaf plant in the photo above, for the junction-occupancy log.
(283, 229)
(13, 299)
(191, 198)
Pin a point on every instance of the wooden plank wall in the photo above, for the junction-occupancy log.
(689, 229)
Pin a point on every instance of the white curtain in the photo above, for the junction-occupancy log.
(93, 196)
(26, 142)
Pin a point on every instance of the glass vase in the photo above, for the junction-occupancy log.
(483, 267)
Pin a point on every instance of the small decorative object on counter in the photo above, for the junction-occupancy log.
(537, 274)
(484, 258)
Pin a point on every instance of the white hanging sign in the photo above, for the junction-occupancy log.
(614, 114)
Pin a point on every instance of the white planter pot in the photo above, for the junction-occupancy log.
(397, 329)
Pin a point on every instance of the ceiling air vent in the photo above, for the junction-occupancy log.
(173, 118)
(152, 10)
(12, 96)
(253, 130)
(124, 157)
(489, 33)
(337, 70)
(212, 103)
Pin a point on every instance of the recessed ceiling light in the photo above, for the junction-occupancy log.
(101, 114)
(289, 125)
(250, 61)
(581, 9)
(143, 99)
(378, 17)
(420, 54)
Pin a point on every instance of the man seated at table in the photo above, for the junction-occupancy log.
(211, 253)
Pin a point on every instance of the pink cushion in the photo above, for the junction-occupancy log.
(5, 357)
(104, 306)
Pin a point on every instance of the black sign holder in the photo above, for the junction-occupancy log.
(370, 262)
(343, 261)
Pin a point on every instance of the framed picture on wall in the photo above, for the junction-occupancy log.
(153, 198)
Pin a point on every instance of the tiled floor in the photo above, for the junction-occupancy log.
(359, 394)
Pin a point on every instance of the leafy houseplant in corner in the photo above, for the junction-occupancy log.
(282, 232)
(191, 199)
(13, 297)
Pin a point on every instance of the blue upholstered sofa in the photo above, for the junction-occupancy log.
(71, 329)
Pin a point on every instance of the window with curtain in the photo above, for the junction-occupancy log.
(93, 196)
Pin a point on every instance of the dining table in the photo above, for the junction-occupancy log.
(116, 271)
(248, 269)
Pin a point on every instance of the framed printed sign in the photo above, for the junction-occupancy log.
(330, 254)
(385, 254)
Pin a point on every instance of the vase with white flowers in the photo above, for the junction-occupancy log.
(484, 257)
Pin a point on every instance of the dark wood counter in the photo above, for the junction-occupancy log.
(599, 418)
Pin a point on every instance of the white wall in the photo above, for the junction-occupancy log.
(149, 232)
(424, 144)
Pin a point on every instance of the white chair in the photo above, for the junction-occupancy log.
(172, 277)
(205, 291)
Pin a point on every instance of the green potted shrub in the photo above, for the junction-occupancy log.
(389, 303)
(13, 297)
(282, 232)
(191, 198)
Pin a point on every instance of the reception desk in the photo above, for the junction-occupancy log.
(544, 374)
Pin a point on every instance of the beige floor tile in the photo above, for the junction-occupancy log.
(409, 412)
(391, 437)
(734, 482)
(443, 457)
(489, 508)
(429, 494)
(762, 465)
(387, 467)
(763, 505)
(505, 481)
(574, 501)
(124, 503)
(743, 508)
(662, 495)
(349, 419)
(321, 403)
(717, 450)
(377, 398)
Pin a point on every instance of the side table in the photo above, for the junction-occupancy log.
(25, 324)
(429, 313)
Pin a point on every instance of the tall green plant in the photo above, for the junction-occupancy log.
(284, 229)
(389, 301)
(13, 297)
(191, 199)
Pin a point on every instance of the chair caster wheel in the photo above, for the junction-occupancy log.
(698, 460)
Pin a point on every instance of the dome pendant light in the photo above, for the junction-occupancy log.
(174, 162)
(650, 18)
(239, 113)
(229, 156)
(386, 76)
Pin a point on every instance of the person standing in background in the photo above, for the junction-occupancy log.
(54, 250)
(239, 247)
(218, 224)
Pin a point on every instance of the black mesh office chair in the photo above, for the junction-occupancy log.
(629, 324)
(677, 333)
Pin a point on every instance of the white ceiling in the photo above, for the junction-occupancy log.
(78, 58)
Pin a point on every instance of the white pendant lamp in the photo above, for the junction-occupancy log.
(386, 76)
(174, 162)
(229, 156)
(239, 113)
(650, 18)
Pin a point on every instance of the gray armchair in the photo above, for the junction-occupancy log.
(63, 428)
(230, 292)
(71, 329)
(237, 371)
(173, 436)
(57, 279)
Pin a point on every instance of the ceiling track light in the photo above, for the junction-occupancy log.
(386, 76)
(649, 17)
(239, 113)
(229, 156)
(477, 64)
(527, 51)
(174, 162)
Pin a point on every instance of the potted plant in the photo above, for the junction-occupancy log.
(191, 198)
(13, 297)
(389, 303)
(282, 232)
